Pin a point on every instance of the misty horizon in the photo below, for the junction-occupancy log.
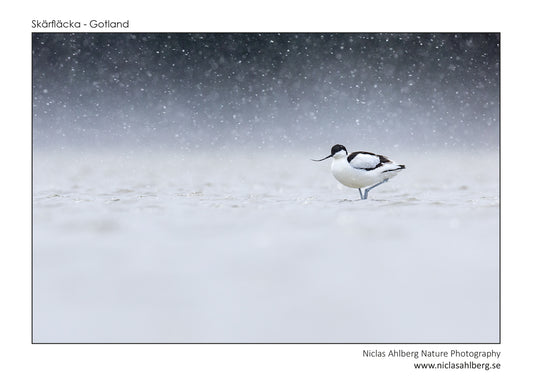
(272, 90)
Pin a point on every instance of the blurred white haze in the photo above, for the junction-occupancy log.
(174, 199)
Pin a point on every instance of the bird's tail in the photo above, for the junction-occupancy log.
(399, 166)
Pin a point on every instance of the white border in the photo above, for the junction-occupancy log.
(21, 358)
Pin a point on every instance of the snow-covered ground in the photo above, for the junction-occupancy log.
(263, 247)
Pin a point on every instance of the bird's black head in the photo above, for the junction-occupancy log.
(335, 149)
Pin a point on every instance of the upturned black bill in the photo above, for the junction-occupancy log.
(327, 157)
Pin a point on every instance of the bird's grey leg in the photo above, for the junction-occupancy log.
(360, 193)
(373, 186)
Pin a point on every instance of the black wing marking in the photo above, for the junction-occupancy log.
(367, 160)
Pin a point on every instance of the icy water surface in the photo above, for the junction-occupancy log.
(165, 247)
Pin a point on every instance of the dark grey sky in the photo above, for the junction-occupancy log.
(432, 90)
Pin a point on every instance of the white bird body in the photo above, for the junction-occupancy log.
(361, 169)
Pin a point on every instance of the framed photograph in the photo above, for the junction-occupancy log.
(175, 199)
